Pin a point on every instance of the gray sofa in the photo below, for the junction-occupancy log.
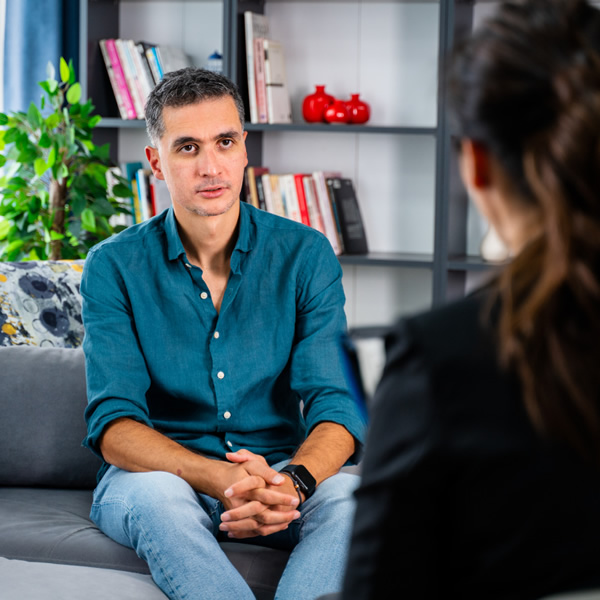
(49, 549)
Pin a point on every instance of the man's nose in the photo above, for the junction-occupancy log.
(209, 163)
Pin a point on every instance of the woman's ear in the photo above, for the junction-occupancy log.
(475, 165)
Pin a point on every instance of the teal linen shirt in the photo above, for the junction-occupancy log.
(157, 351)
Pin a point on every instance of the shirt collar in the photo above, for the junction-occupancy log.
(245, 241)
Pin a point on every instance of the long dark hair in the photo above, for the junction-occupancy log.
(527, 86)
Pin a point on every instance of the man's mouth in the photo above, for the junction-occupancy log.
(213, 191)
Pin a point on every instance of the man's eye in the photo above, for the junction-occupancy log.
(188, 148)
(226, 143)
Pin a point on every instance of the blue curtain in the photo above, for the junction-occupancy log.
(37, 32)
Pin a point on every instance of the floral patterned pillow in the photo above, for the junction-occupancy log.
(40, 303)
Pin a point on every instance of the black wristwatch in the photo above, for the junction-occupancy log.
(302, 478)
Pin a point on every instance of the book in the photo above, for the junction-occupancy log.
(120, 78)
(260, 191)
(290, 199)
(113, 80)
(259, 77)
(301, 197)
(129, 170)
(255, 26)
(143, 70)
(278, 99)
(151, 59)
(326, 209)
(310, 194)
(143, 188)
(267, 192)
(276, 198)
(161, 194)
(130, 76)
(348, 211)
(172, 58)
(252, 174)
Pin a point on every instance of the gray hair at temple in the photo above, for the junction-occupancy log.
(184, 87)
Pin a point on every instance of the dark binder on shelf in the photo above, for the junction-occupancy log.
(349, 216)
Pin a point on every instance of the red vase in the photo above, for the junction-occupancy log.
(359, 111)
(337, 112)
(314, 105)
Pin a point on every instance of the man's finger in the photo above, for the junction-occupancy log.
(241, 488)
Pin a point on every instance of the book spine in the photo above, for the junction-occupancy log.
(278, 204)
(259, 74)
(252, 186)
(151, 58)
(120, 78)
(299, 183)
(249, 30)
(336, 214)
(144, 76)
(327, 211)
(141, 177)
(291, 199)
(113, 80)
(157, 62)
(316, 220)
(260, 191)
(130, 79)
(266, 185)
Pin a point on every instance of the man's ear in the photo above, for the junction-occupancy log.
(475, 164)
(154, 160)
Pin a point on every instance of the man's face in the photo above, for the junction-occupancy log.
(201, 156)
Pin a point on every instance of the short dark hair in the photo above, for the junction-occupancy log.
(183, 87)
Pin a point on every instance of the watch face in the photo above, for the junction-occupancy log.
(303, 477)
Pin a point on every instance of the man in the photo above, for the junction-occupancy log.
(205, 327)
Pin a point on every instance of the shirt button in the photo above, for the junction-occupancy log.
(227, 414)
(220, 374)
(204, 295)
(216, 335)
(229, 444)
(188, 265)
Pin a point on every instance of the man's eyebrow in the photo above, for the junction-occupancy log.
(188, 139)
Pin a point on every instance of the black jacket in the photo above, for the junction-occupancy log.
(460, 497)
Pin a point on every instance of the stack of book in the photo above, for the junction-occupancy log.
(134, 68)
(325, 201)
(268, 94)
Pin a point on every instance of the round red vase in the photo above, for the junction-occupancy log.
(314, 105)
(337, 112)
(360, 111)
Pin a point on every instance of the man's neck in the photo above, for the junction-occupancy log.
(209, 241)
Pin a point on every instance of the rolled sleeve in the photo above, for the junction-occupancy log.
(317, 372)
(117, 376)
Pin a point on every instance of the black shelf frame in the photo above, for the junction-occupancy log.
(448, 261)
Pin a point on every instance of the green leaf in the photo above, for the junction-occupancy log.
(34, 205)
(64, 70)
(34, 116)
(4, 228)
(121, 191)
(50, 71)
(94, 121)
(11, 135)
(88, 221)
(3, 119)
(53, 120)
(40, 166)
(45, 141)
(74, 93)
(52, 86)
(2, 160)
(52, 157)
(54, 235)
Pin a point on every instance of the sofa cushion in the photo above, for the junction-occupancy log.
(52, 526)
(41, 418)
(40, 303)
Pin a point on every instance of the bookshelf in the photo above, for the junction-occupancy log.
(417, 218)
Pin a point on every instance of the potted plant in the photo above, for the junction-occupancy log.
(55, 200)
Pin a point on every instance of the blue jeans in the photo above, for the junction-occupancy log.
(174, 529)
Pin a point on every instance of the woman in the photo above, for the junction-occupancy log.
(481, 477)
